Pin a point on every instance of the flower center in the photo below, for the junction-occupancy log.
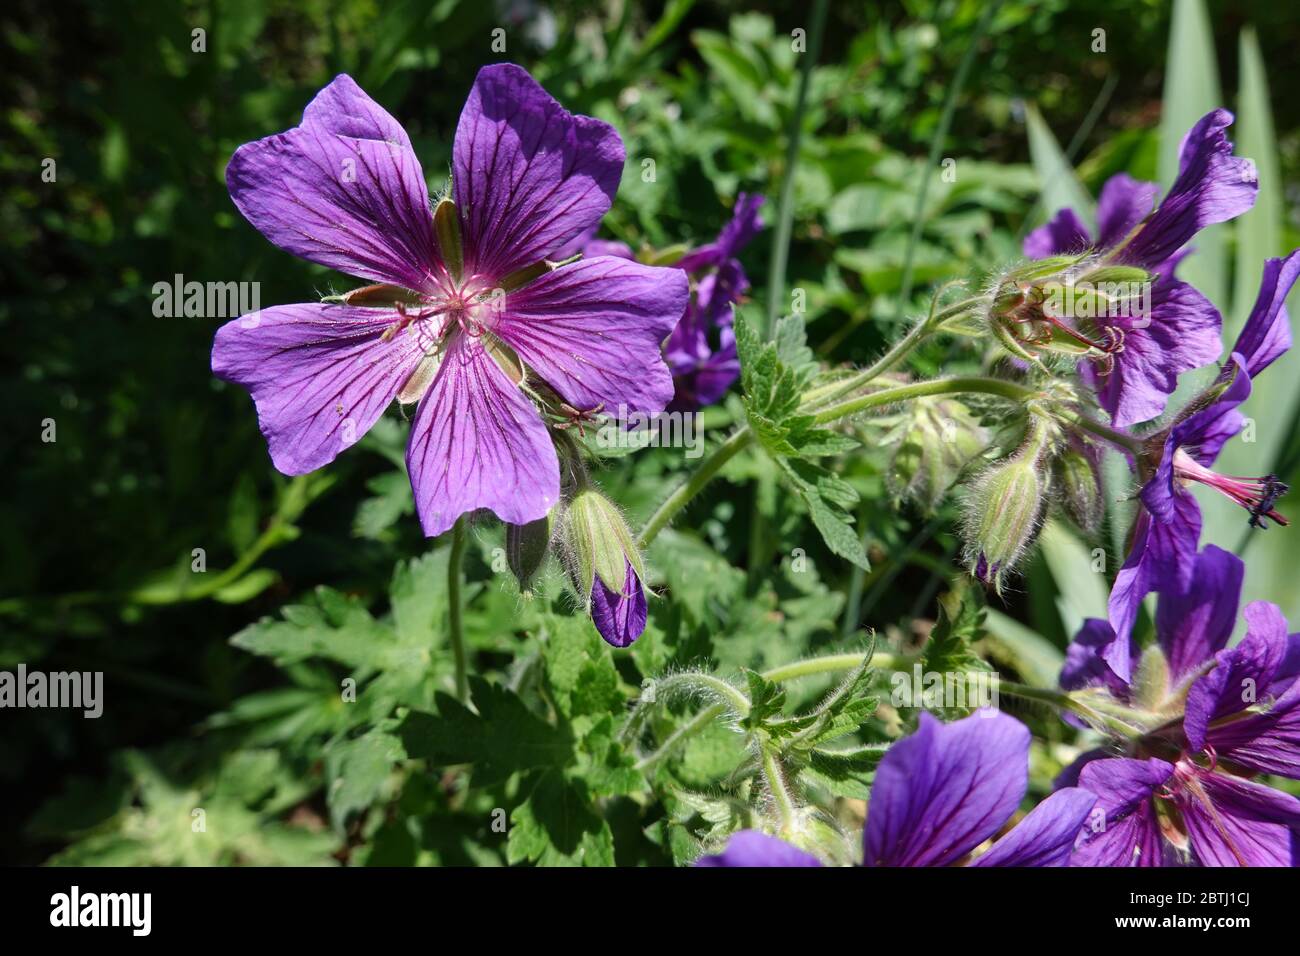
(1256, 495)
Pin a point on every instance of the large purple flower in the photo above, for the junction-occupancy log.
(1204, 720)
(468, 318)
(1143, 354)
(942, 792)
(1168, 525)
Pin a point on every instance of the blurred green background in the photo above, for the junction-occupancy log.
(155, 458)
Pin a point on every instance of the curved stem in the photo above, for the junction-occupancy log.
(823, 665)
(455, 621)
(675, 502)
(938, 386)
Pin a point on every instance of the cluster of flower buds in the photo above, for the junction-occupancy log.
(1078, 307)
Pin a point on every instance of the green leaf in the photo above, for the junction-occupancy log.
(1083, 591)
(960, 624)
(329, 624)
(580, 669)
(1061, 188)
(556, 826)
(1191, 91)
(358, 772)
(502, 738)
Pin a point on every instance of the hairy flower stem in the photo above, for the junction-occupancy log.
(774, 776)
(455, 622)
(919, 333)
(675, 502)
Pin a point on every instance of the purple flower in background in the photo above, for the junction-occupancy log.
(942, 792)
(752, 848)
(947, 788)
(701, 351)
(1209, 718)
(1144, 354)
(465, 300)
(1168, 526)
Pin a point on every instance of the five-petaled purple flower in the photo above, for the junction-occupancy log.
(938, 795)
(1204, 719)
(468, 318)
(1168, 526)
(1145, 353)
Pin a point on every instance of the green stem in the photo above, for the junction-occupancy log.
(938, 386)
(918, 334)
(832, 662)
(685, 731)
(1063, 701)
(455, 620)
(775, 777)
(675, 502)
(743, 437)
(785, 205)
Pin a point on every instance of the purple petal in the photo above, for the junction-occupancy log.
(1124, 202)
(1046, 836)
(1268, 741)
(1181, 333)
(1267, 332)
(607, 247)
(320, 375)
(344, 189)
(740, 230)
(1065, 234)
(527, 174)
(1128, 834)
(1236, 822)
(619, 616)
(752, 848)
(946, 789)
(1194, 624)
(1069, 777)
(476, 442)
(703, 381)
(1084, 665)
(1212, 186)
(1162, 557)
(593, 329)
(1241, 677)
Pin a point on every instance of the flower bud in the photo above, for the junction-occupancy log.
(936, 440)
(1075, 475)
(1004, 511)
(526, 546)
(605, 567)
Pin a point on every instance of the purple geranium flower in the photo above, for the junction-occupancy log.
(468, 318)
(1168, 526)
(1143, 355)
(1206, 719)
(942, 792)
(701, 351)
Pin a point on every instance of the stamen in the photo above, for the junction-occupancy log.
(1256, 495)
